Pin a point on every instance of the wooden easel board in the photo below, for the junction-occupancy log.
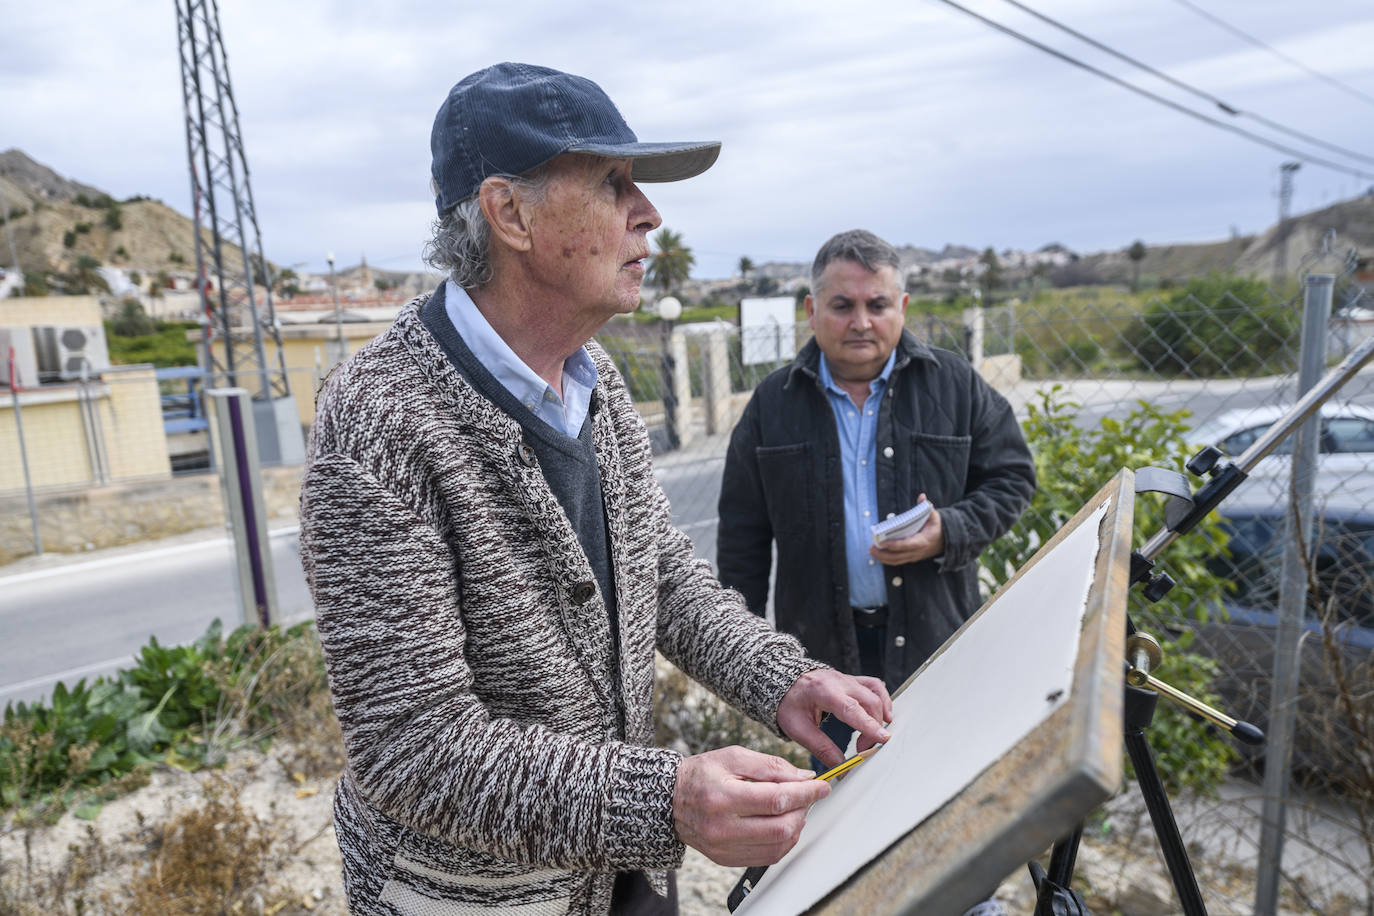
(1003, 742)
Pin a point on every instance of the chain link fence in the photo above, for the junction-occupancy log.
(1214, 362)
(1217, 361)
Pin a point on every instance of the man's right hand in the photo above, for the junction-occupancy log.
(740, 807)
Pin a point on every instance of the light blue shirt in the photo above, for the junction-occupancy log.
(858, 431)
(565, 414)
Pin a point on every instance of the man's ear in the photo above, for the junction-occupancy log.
(506, 213)
(811, 312)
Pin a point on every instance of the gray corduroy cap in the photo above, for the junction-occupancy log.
(510, 118)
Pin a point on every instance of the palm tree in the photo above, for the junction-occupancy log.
(85, 277)
(992, 274)
(1137, 254)
(672, 263)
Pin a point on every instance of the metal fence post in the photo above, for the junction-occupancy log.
(244, 507)
(974, 321)
(24, 454)
(1292, 601)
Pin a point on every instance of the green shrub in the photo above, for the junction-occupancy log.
(179, 704)
(166, 346)
(1073, 463)
(1218, 325)
(35, 283)
(133, 321)
(68, 238)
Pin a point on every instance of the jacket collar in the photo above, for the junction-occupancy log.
(808, 361)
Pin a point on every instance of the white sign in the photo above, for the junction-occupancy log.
(767, 329)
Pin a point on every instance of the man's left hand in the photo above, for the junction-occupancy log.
(860, 702)
(924, 544)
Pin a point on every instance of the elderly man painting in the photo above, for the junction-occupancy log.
(493, 563)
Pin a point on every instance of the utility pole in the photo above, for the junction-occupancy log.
(227, 280)
(1281, 231)
(338, 314)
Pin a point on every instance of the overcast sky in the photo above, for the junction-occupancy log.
(907, 118)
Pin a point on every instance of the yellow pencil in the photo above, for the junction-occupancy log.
(849, 764)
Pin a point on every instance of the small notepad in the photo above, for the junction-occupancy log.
(904, 525)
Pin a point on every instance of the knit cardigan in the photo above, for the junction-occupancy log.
(494, 757)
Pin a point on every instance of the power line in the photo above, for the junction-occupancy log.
(1182, 109)
(1275, 51)
(1200, 93)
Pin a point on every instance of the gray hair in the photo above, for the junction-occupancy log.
(860, 246)
(461, 241)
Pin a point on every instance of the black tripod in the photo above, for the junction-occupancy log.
(1054, 897)
(1184, 510)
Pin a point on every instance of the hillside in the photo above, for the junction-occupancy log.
(55, 220)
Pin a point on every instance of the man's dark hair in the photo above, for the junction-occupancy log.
(860, 246)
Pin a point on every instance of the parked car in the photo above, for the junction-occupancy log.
(1337, 642)
(1346, 444)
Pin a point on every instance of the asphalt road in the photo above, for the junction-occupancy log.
(88, 617)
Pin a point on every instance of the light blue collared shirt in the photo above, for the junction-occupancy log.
(858, 431)
(565, 414)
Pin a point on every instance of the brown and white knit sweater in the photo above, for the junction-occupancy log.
(470, 655)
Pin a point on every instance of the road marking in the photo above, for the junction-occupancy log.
(109, 666)
(69, 675)
(133, 555)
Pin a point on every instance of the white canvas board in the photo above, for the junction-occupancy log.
(1003, 675)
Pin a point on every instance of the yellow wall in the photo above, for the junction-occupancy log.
(44, 310)
(131, 419)
(54, 441)
(309, 351)
(58, 441)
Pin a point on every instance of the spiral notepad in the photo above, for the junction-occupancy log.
(904, 525)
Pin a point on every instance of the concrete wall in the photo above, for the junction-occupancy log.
(91, 518)
(64, 447)
(309, 351)
(35, 311)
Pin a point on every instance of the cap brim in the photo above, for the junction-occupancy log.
(659, 161)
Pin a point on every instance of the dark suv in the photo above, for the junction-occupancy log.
(1337, 641)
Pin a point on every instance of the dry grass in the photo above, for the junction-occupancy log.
(690, 719)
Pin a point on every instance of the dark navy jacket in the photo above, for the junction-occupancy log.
(942, 431)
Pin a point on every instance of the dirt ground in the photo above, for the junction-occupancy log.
(301, 872)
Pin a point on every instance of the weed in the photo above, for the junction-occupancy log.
(691, 719)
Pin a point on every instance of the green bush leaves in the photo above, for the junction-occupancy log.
(1073, 462)
(178, 704)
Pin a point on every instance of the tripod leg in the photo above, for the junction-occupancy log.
(1053, 896)
(1138, 703)
(1064, 856)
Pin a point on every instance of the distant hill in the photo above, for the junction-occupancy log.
(55, 220)
(1351, 221)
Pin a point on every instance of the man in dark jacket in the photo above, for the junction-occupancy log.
(864, 423)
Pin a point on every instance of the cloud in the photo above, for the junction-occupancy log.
(911, 118)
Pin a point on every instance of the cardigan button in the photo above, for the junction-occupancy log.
(526, 455)
(582, 593)
(896, 581)
(899, 641)
(887, 452)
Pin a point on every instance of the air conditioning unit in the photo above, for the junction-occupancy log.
(25, 369)
(69, 351)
